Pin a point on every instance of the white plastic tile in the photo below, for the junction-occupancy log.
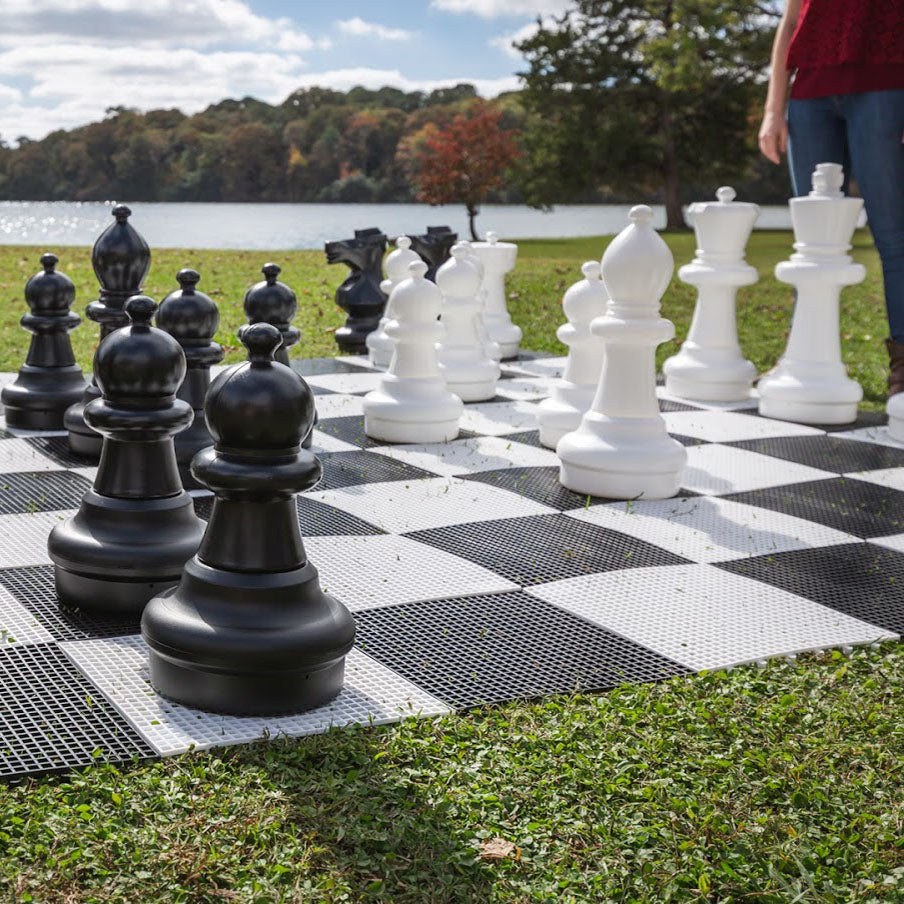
(89, 472)
(499, 418)
(524, 388)
(23, 538)
(365, 572)
(884, 477)
(20, 431)
(356, 360)
(400, 506)
(17, 624)
(18, 455)
(469, 456)
(544, 367)
(729, 427)
(338, 404)
(704, 617)
(752, 401)
(878, 435)
(118, 666)
(895, 542)
(323, 442)
(709, 529)
(715, 470)
(356, 382)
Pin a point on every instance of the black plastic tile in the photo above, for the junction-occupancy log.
(33, 588)
(310, 367)
(52, 718)
(41, 491)
(541, 548)
(864, 419)
(348, 469)
(57, 449)
(688, 440)
(854, 506)
(670, 405)
(528, 438)
(496, 647)
(827, 453)
(350, 429)
(540, 484)
(860, 579)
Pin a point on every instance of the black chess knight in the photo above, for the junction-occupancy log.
(50, 380)
(434, 247)
(136, 528)
(121, 260)
(248, 630)
(360, 295)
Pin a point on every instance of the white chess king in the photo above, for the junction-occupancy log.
(571, 395)
(622, 449)
(498, 259)
(710, 366)
(810, 384)
(379, 344)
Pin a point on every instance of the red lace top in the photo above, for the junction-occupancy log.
(847, 46)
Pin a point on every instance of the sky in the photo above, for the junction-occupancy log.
(63, 62)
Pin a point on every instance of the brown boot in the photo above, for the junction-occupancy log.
(896, 365)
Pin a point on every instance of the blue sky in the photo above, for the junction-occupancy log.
(62, 62)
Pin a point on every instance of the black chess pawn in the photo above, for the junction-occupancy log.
(434, 247)
(192, 318)
(137, 527)
(121, 260)
(50, 380)
(248, 629)
(360, 295)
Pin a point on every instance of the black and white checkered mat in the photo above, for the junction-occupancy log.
(476, 578)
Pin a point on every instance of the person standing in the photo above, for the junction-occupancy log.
(846, 106)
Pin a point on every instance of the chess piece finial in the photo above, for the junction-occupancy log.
(248, 629)
(725, 194)
(136, 528)
(379, 344)
(49, 381)
(827, 181)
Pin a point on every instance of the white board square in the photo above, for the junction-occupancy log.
(499, 418)
(729, 426)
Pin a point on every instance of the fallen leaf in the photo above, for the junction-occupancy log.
(499, 849)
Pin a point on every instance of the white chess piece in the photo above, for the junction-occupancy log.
(895, 409)
(413, 404)
(710, 367)
(464, 364)
(379, 344)
(498, 259)
(622, 449)
(491, 348)
(572, 395)
(810, 384)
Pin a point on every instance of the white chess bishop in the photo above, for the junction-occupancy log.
(413, 404)
(810, 384)
(467, 369)
(379, 344)
(710, 367)
(490, 347)
(498, 259)
(621, 449)
(572, 395)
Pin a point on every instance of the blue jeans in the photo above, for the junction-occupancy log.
(863, 132)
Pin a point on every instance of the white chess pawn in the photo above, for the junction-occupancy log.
(572, 395)
(622, 449)
(490, 347)
(710, 366)
(895, 409)
(498, 259)
(413, 404)
(464, 364)
(379, 344)
(810, 384)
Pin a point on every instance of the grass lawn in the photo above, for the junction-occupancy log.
(545, 269)
(782, 784)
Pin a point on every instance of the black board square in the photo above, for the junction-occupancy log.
(348, 469)
(528, 438)
(672, 405)
(541, 548)
(495, 647)
(862, 580)
(827, 452)
(864, 419)
(315, 367)
(54, 718)
(41, 491)
(350, 429)
(56, 448)
(853, 506)
(33, 587)
(540, 484)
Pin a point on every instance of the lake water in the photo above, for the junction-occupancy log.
(288, 226)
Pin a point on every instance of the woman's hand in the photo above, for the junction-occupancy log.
(773, 137)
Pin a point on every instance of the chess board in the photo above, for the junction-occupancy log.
(475, 578)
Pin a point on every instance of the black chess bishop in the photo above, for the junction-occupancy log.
(248, 629)
(49, 381)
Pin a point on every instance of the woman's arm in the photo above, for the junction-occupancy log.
(773, 137)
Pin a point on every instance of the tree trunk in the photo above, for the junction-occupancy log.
(674, 217)
(472, 213)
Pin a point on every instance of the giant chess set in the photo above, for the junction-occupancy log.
(196, 555)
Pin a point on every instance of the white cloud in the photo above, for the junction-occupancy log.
(506, 43)
(359, 28)
(9, 94)
(492, 9)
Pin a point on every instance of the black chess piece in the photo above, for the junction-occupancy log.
(434, 247)
(192, 318)
(50, 380)
(359, 295)
(121, 260)
(248, 629)
(137, 527)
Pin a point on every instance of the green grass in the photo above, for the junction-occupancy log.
(545, 269)
(778, 785)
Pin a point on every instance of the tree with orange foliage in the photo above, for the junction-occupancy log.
(463, 161)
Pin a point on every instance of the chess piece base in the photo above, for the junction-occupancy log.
(412, 411)
(709, 375)
(40, 396)
(810, 393)
(561, 413)
(505, 333)
(82, 439)
(380, 346)
(247, 643)
(353, 337)
(895, 410)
